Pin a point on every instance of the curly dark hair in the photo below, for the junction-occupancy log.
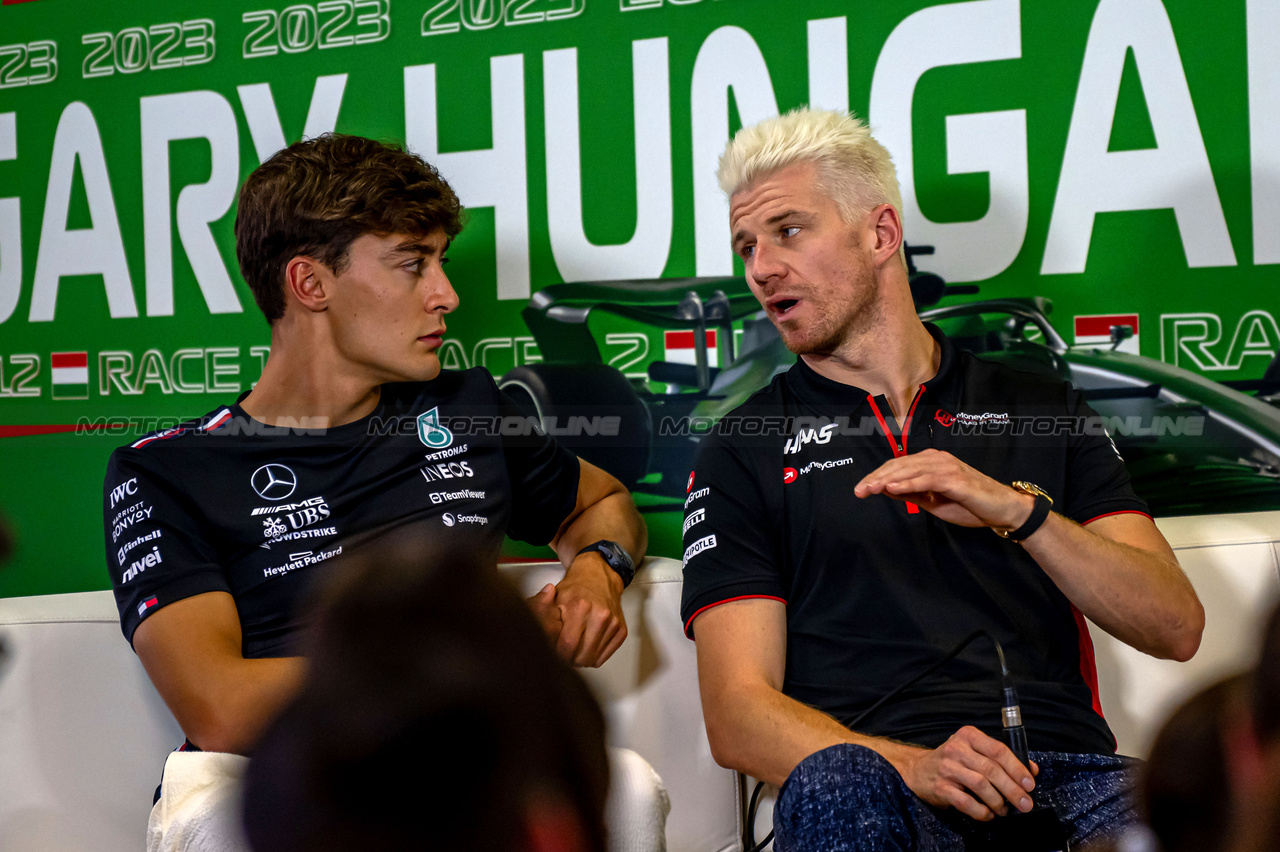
(318, 196)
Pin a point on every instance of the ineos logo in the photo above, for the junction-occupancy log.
(273, 481)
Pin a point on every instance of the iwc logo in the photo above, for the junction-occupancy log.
(431, 432)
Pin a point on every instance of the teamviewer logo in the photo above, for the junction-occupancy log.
(274, 481)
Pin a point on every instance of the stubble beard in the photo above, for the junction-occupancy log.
(834, 329)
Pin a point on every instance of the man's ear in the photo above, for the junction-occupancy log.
(305, 279)
(887, 225)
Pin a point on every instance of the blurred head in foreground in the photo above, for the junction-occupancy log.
(1212, 780)
(435, 715)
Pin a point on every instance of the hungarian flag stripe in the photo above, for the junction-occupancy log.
(70, 374)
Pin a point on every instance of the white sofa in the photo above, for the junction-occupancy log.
(83, 734)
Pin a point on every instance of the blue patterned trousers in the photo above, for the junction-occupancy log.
(847, 798)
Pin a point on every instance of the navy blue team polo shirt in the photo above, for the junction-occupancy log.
(225, 503)
(877, 590)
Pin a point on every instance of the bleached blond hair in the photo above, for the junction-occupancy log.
(854, 170)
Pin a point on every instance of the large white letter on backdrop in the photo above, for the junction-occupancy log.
(828, 63)
(496, 177)
(645, 254)
(1174, 174)
(1263, 27)
(166, 118)
(10, 225)
(991, 142)
(728, 60)
(85, 251)
(264, 120)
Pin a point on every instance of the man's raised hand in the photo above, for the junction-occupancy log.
(944, 486)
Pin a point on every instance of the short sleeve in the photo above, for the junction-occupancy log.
(731, 550)
(157, 549)
(544, 479)
(1097, 481)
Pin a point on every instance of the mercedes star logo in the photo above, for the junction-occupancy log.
(273, 481)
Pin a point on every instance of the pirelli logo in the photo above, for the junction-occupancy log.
(697, 516)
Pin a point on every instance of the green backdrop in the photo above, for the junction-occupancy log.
(1119, 157)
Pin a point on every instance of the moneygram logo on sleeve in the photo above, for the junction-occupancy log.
(699, 546)
(695, 496)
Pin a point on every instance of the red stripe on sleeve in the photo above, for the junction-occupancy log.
(1121, 512)
(689, 624)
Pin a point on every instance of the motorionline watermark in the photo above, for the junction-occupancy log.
(823, 428)
(510, 425)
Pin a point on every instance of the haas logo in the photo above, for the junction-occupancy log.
(944, 418)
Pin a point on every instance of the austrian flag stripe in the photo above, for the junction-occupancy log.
(70, 375)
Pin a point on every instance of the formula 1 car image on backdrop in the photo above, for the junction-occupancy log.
(1192, 445)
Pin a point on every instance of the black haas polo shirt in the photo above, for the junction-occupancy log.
(877, 590)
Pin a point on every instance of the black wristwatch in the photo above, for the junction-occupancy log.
(619, 560)
(1039, 512)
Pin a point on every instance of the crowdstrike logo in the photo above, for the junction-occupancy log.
(274, 481)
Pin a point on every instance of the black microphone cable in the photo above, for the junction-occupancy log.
(1015, 734)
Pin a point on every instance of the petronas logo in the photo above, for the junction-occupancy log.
(431, 433)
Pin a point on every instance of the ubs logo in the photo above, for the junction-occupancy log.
(274, 481)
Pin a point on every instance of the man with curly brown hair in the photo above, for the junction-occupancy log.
(216, 529)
